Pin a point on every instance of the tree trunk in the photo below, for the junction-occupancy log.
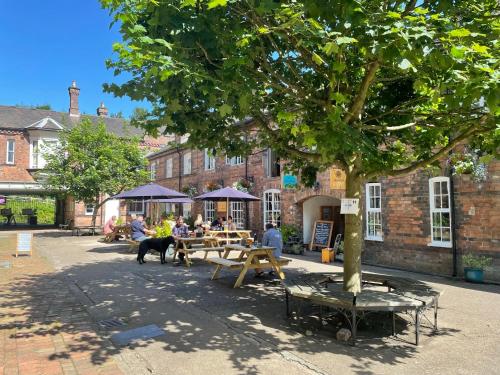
(353, 237)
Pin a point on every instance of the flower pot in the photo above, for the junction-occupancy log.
(339, 257)
(474, 275)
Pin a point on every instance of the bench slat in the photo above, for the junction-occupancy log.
(225, 262)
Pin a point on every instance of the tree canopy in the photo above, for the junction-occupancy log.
(378, 87)
(91, 162)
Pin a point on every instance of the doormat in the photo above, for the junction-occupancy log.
(141, 333)
(5, 264)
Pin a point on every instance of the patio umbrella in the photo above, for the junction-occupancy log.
(173, 200)
(227, 194)
(150, 191)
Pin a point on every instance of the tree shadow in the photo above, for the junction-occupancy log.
(247, 324)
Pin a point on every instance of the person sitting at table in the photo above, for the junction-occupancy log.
(272, 238)
(180, 230)
(217, 223)
(138, 230)
(230, 224)
(110, 226)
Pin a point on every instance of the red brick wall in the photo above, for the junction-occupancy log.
(18, 171)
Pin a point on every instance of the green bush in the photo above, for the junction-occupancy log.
(475, 261)
(45, 208)
(164, 230)
(288, 230)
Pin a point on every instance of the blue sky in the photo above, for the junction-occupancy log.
(44, 45)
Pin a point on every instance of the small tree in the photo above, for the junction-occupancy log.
(90, 163)
(377, 87)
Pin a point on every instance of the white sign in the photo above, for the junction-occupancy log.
(24, 243)
(349, 206)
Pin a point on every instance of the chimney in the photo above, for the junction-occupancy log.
(73, 99)
(102, 111)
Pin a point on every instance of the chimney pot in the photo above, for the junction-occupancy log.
(74, 91)
(102, 111)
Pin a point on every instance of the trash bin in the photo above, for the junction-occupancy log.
(33, 220)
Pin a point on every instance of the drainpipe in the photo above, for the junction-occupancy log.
(453, 222)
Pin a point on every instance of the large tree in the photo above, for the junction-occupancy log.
(91, 164)
(377, 87)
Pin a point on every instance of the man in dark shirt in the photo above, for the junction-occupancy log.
(138, 231)
(180, 230)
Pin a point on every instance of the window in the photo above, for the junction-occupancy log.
(153, 170)
(439, 197)
(272, 164)
(187, 163)
(373, 212)
(209, 160)
(235, 160)
(89, 209)
(272, 207)
(136, 206)
(238, 214)
(168, 168)
(186, 210)
(11, 146)
(209, 208)
(35, 154)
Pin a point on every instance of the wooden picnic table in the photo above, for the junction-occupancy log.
(248, 258)
(182, 245)
(227, 233)
(118, 230)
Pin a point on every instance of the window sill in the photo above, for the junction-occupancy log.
(377, 239)
(440, 244)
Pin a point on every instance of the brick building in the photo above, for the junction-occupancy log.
(409, 218)
(23, 134)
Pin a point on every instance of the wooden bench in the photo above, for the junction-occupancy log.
(229, 263)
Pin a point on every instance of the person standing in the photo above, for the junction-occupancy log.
(139, 232)
(272, 238)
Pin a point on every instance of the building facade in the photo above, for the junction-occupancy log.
(408, 221)
(26, 132)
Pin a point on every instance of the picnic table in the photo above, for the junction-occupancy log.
(88, 228)
(184, 245)
(248, 258)
(231, 233)
(118, 230)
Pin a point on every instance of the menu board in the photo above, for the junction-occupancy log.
(322, 234)
(24, 243)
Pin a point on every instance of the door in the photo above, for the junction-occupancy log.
(111, 208)
(326, 213)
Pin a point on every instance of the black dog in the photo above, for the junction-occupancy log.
(159, 244)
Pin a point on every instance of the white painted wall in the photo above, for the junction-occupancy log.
(311, 213)
(111, 207)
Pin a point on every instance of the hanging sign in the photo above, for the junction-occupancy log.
(289, 181)
(349, 206)
(337, 179)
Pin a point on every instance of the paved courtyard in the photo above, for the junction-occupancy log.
(51, 306)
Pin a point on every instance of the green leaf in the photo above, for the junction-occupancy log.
(225, 110)
(216, 3)
(459, 33)
(330, 48)
(393, 15)
(405, 64)
(480, 49)
(338, 67)
(345, 40)
(188, 3)
(458, 52)
(317, 59)
(163, 42)
(263, 30)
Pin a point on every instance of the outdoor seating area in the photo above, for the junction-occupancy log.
(402, 295)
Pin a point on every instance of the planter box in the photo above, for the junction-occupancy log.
(339, 257)
(474, 275)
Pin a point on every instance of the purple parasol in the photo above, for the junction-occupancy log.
(151, 191)
(227, 193)
(174, 200)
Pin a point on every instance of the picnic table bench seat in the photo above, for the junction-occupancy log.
(229, 263)
(325, 289)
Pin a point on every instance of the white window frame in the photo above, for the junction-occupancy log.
(153, 170)
(187, 210)
(209, 160)
(441, 210)
(91, 211)
(235, 160)
(135, 202)
(376, 211)
(43, 147)
(35, 156)
(237, 212)
(270, 213)
(9, 152)
(209, 211)
(186, 166)
(169, 163)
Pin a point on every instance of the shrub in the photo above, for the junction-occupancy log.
(288, 230)
(475, 261)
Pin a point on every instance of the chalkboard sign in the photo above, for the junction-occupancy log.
(322, 233)
(24, 244)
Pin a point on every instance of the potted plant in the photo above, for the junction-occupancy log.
(474, 266)
(339, 255)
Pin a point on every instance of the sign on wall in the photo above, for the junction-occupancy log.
(289, 181)
(221, 206)
(349, 206)
(337, 179)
